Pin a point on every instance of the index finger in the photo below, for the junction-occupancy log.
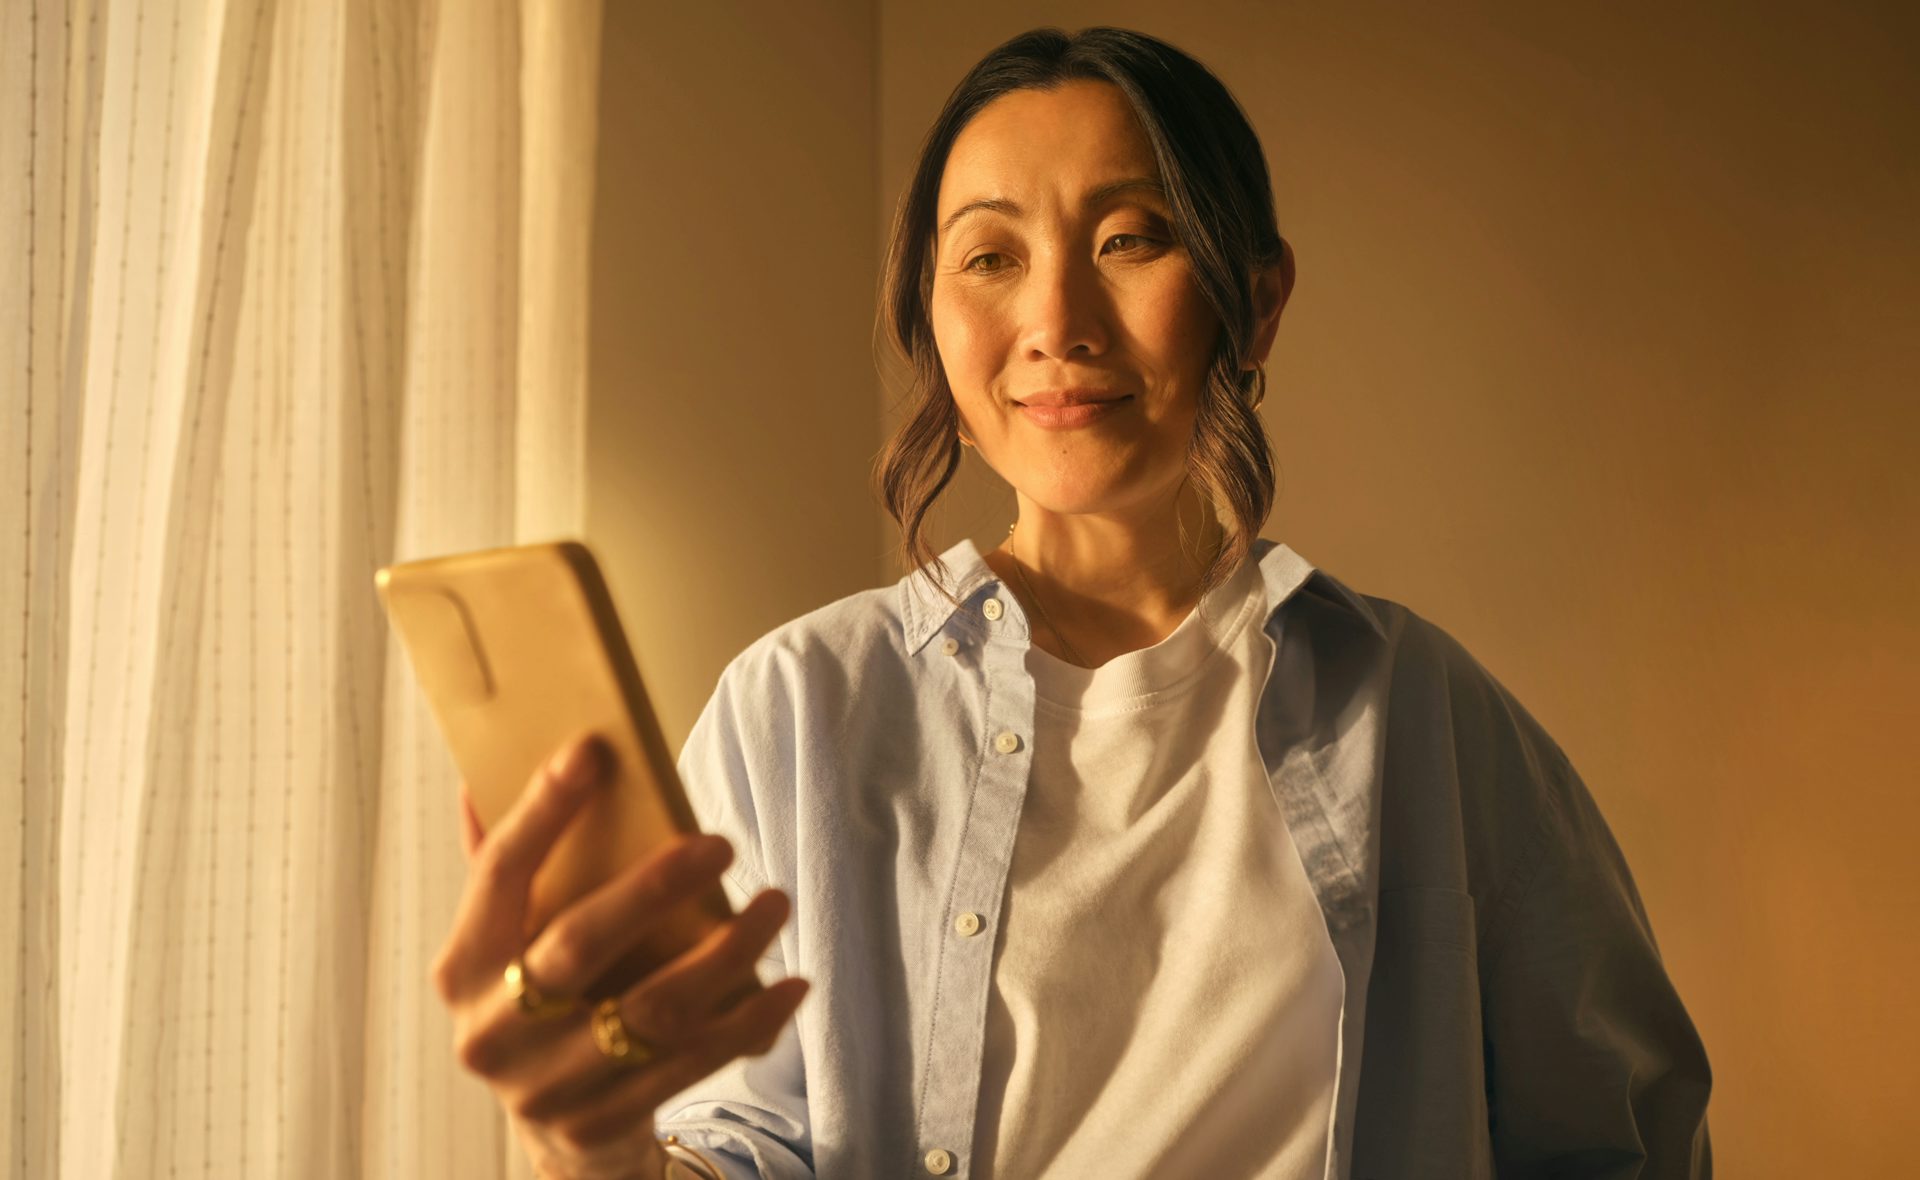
(493, 910)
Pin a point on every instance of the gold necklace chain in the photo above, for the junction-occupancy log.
(1035, 598)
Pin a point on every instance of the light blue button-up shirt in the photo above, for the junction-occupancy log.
(1505, 1009)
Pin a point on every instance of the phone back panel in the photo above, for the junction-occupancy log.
(518, 650)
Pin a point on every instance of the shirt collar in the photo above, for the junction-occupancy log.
(924, 611)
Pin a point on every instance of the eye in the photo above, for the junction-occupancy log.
(1139, 242)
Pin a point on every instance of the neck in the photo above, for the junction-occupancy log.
(1108, 583)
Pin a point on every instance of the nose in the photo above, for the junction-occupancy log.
(1064, 308)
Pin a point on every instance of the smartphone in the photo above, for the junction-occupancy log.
(518, 650)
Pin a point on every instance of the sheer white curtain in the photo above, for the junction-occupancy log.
(289, 289)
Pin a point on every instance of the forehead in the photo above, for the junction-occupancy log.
(1032, 144)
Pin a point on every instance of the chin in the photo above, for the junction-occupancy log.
(1087, 483)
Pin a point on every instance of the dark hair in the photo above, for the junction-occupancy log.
(1215, 175)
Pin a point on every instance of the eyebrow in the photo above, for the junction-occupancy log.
(1105, 192)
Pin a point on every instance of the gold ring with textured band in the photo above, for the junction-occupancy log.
(531, 999)
(699, 1164)
(614, 1039)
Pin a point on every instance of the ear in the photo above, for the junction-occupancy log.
(1272, 286)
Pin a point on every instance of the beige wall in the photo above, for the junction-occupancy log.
(1602, 357)
(731, 415)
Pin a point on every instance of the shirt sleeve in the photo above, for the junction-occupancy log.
(749, 1117)
(1594, 1069)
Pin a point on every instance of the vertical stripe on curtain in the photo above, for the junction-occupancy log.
(292, 289)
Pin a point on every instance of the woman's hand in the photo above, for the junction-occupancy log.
(580, 1113)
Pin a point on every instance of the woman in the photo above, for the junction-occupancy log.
(1135, 846)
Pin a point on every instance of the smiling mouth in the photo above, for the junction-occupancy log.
(1064, 405)
(1069, 417)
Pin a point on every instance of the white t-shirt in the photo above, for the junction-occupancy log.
(1165, 999)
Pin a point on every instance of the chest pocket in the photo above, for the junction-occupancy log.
(1423, 1103)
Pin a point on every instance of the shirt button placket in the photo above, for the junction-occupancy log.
(968, 924)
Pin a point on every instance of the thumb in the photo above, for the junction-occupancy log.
(471, 833)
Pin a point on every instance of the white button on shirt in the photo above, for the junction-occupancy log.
(967, 924)
(949, 646)
(991, 608)
(1007, 742)
(939, 1162)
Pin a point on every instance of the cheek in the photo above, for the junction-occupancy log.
(1173, 328)
(1189, 328)
(964, 338)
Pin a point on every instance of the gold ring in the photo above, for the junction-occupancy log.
(614, 1039)
(531, 999)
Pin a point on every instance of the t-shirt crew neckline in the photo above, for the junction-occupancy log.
(1140, 679)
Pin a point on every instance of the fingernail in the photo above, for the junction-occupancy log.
(577, 765)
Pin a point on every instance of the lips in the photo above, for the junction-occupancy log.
(1071, 415)
(1071, 397)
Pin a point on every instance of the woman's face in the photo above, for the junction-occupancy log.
(1068, 280)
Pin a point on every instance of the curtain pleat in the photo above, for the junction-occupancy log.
(292, 289)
